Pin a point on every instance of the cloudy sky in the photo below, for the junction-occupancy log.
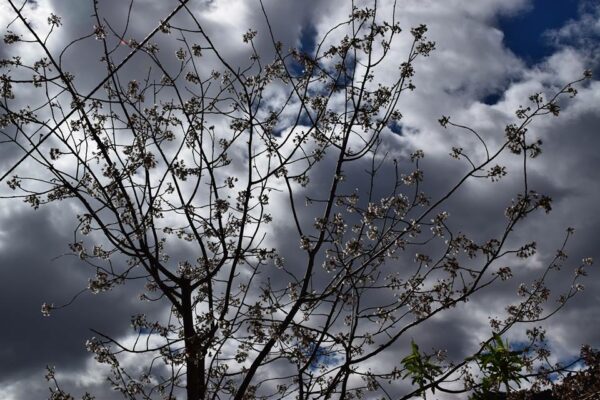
(490, 56)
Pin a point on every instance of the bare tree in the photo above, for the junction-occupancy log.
(179, 170)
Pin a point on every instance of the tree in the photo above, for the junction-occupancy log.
(178, 171)
(575, 384)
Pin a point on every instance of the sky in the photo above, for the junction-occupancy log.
(490, 56)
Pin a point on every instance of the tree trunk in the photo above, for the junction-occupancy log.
(194, 360)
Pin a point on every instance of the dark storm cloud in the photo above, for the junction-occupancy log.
(28, 279)
(30, 276)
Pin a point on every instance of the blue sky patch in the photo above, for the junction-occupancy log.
(395, 127)
(322, 357)
(308, 39)
(524, 32)
(307, 45)
(492, 98)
